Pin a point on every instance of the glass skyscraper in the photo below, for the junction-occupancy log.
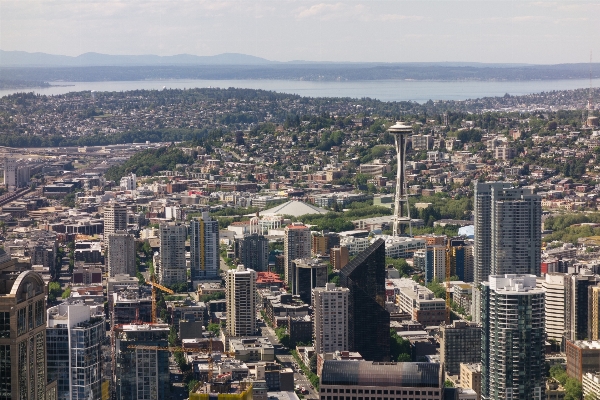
(368, 320)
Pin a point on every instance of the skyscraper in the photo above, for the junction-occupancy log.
(460, 342)
(594, 313)
(23, 373)
(204, 247)
(554, 288)
(240, 294)
(576, 305)
(512, 343)
(172, 253)
(330, 318)
(253, 251)
(75, 333)
(368, 320)
(115, 219)
(507, 230)
(121, 254)
(141, 373)
(296, 244)
(307, 274)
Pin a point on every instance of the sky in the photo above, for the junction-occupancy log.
(541, 32)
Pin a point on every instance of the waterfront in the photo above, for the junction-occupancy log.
(388, 90)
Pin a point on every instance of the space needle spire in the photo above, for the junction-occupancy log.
(401, 132)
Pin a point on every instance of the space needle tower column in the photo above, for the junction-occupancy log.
(401, 132)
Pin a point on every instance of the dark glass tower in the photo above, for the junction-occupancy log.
(368, 320)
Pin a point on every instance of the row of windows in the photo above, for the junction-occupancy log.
(374, 397)
(379, 391)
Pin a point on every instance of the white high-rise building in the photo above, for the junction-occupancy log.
(10, 172)
(121, 254)
(296, 244)
(204, 247)
(172, 253)
(513, 340)
(554, 287)
(128, 182)
(75, 333)
(240, 295)
(115, 219)
(330, 318)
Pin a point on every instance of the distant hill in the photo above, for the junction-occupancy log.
(25, 59)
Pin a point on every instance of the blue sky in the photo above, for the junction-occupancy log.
(542, 32)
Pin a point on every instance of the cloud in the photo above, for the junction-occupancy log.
(400, 17)
(320, 10)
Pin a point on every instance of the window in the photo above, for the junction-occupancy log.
(39, 313)
(30, 316)
(21, 327)
(4, 325)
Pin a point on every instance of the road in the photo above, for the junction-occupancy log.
(287, 360)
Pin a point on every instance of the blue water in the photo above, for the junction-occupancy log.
(386, 90)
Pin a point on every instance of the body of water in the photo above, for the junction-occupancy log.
(388, 90)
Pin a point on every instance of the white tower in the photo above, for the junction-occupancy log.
(400, 132)
(241, 301)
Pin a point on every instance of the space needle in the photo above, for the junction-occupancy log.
(401, 132)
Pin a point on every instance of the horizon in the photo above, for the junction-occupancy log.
(490, 32)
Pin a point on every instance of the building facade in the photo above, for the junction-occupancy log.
(121, 254)
(349, 379)
(115, 219)
(554, 288)
(330, 318)
(296, 244)
(23, 370)
(507, 230)
(594, 313)
(512, 342)
(368, 319)
(460, 343)
(240, 294)
(75, 333)
(253, 252)
(204, 247)
(307, 274)
(141, 373)
(576, 305)
(172, 253)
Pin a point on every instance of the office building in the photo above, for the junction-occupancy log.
(593, 313)
(172, 253)
(582, 356)
(512, 340)
(368, 319)
(323, 243)
(339, 257)
(296, 244)
(420, 303)
(460, 343)
(23, 372)
(554, 288)
(141, 373)
(470, 377)
(330, 318)
(307, 274)
(576, 305)
(253, 252)
(75, 333)
(240, 293)
(115, 219)
(368, 380)
(204, 247)
(507, 230)
(591, 385)
(121, 254)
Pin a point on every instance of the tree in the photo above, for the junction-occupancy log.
(399, 347)
(191, 385)
(312, 363)
(54, 291)
(66, 293)
(573, 389)
(172, 336)
(283, 336)
(214, 328)
(404, 358)
(448, 383)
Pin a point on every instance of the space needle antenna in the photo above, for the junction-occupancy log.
(401, 217)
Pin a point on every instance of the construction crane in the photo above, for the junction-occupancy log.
(155, 285)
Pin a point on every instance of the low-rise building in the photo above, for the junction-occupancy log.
(252, 349)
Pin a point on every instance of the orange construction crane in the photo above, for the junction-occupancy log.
(155, 285)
